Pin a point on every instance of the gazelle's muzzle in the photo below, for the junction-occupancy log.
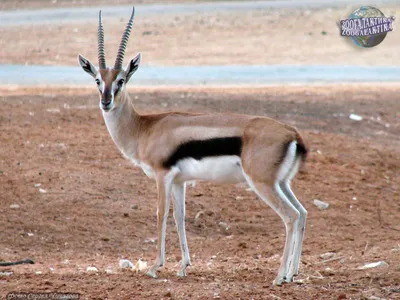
(106, 99)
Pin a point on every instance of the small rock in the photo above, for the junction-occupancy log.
(375, 298)
(30, 234)
(38, 185)
(327, 255)
(53, 110)
(126, 264)
(6, 273)
(14, 206)
(395, 250)
(135, 206)
(377, 264)
(38, 272)
(199, 214)
(43, 191)
(91, 269)
(66, 262)
(355, 117)
(109, 271)
(239, 198)
(150, 241)
(141, 265)
(224, 226)
(320, 204)
(327, 272)
(355, 198)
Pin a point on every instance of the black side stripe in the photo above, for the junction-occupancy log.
(199, 149)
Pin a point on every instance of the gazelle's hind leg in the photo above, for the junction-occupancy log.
(178, 190)
(285, 186)
(276, 199)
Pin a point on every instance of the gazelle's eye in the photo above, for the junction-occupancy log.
(97, 81)
(120, 82)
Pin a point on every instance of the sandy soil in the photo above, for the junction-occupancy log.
(252, 37)
(98, 208)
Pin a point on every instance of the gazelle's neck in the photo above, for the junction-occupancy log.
(122, 124)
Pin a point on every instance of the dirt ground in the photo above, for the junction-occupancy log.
(93, 207)
(275, 36)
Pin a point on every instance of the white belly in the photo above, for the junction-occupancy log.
(221, 169)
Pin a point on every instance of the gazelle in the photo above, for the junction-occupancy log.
(176, 147)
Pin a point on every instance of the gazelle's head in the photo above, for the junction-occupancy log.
(111, 81)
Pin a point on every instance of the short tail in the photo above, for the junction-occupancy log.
(301, 149)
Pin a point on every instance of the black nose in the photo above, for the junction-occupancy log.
(105, 103)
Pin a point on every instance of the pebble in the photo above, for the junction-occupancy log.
(224, 225)
(320, 204)
(43, 191)
(14, 206)
(327, 255)
(355, 117)
(377, 264)
(126, 264)
(141, 265)
(199, 214)
(91, 269)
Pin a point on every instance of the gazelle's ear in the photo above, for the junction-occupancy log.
(87, 66)
(132, 66)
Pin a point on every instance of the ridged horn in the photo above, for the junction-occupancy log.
(124, 41)
(100, 35)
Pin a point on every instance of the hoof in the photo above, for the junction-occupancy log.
(289, 278)
(151, 273)
(182, 271)
(279, 280)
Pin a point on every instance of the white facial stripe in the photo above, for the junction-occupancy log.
(101, 86)
(115, 84)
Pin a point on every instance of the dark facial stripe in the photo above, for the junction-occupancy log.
(106, 97)
(199, 149)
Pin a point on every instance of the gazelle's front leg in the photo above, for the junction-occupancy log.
(164, 183)
(178, 190)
